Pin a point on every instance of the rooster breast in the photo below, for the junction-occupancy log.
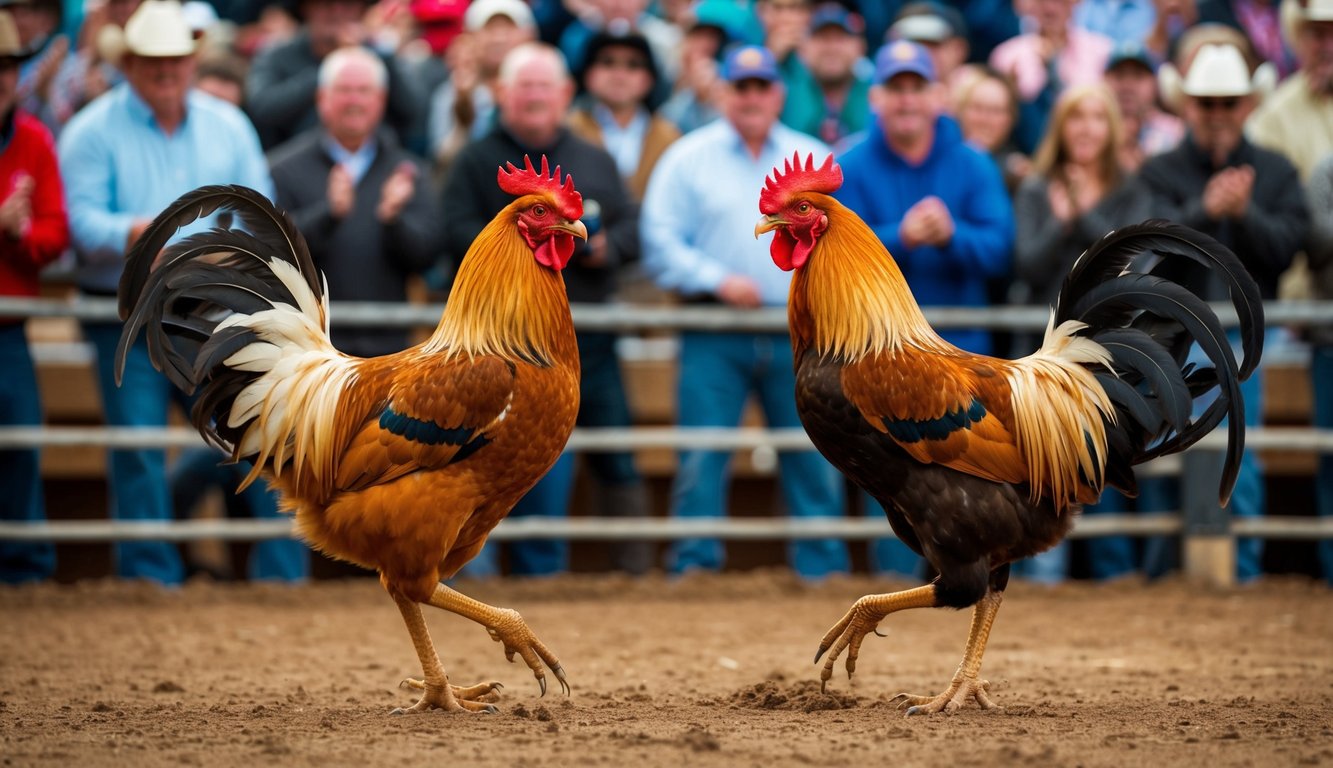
(955, 520)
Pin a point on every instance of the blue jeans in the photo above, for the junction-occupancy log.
(717, 374)
(199, 469)
(1321, 373)
(138, 477)
(20, 475)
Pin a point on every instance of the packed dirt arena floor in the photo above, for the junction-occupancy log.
(707, 670)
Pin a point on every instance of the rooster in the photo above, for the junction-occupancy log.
(980, 461)
(402, 463)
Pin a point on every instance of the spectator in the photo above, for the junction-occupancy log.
(698, 90)
(1148, 130)
(694, 247)
(618, 17)
(1077, 192)
(1125, 22)
(986, 107)
(35, 232)
(902, 179)
(222, 76)
(1247, 197)
(462, 109)
(1297, 120)
(38, 24)
(93, 67)
(827, 98)
(363, 203)
(281, 86)
(1044, 62)
(943, 32)
(619, 77)
(786, 24)
(123, 159)
(1259, 21)
(1320, 252)
(533, 95)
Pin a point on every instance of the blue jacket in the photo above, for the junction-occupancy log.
(880, 186)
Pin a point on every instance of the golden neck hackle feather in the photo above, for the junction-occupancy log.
(503, 302)
(850, 299)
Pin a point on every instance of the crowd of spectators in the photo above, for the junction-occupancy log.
(986, 142)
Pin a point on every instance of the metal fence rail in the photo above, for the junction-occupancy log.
(627, 318)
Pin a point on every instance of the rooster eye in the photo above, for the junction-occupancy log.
(803, 208)
(539, 211)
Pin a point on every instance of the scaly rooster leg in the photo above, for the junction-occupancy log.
(966, 682)
(861, 620)
(506, 627)
(438, 694)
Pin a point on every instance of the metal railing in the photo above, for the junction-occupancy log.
(629, 319)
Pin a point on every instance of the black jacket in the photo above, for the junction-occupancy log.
(1266, 238)
(472, 198)
(362, 258)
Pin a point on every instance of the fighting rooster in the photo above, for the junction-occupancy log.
(979, 461)
(402, 463)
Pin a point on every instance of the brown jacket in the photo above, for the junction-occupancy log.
(656, 139)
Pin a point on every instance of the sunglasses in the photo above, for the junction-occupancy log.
(632, 63)
(1229, 103)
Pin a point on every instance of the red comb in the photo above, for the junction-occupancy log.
(529, 181)
(827, 178)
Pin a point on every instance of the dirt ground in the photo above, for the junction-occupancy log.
(712, 670)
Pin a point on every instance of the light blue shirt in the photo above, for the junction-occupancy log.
(118, 165)
(625, 145)
(1124, 21)
(702, 202)
(355, 163)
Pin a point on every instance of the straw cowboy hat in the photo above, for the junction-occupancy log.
(10, 46)
(1217, 70)
(1294, 14)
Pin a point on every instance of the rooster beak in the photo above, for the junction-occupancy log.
(574, 228)
(768, 224)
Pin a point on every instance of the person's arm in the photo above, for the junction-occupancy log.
(48, 232)
(413, 237)
(983, 235)
(1275, 224)
(88, 171)
(1320, 199)
(670, 212)
(1041, 236)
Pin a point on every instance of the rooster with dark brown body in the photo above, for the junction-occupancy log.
(980, 461)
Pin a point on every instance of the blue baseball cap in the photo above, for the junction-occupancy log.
(751, 62)
(903, 56)
(834, 15)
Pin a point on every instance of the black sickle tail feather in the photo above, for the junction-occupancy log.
(178, 294)
(1148, 325)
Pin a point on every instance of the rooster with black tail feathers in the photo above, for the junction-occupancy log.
(402, 463)
(980, 461)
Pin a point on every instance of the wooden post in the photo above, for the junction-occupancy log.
(1209, 549)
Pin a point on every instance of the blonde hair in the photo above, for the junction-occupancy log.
(1051, 154)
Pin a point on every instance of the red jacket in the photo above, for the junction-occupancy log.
(31, 151)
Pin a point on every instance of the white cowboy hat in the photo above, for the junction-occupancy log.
(158, 29)
(1294, 13)
(1217, 70)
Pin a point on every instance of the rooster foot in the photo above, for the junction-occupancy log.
(959, 692)
(471, 693)
(450, 698)
(511, 631)
(847, 635)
